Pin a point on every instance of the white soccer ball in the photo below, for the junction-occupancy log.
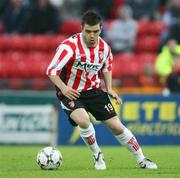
(49, 158)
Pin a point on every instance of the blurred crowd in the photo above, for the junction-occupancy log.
(46, 17)
(23, 16)
(32, 11)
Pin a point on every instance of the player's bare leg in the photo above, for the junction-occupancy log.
(126, 138)
(87, 133)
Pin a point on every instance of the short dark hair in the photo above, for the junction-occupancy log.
(91, 17)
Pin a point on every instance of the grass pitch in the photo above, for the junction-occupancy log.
(20, 162)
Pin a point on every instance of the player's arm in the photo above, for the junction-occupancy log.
(66, 90)
(107, 77)
(62, 56)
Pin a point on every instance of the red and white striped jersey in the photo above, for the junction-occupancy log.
(79, 65)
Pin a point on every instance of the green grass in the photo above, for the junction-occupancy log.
(20, 162)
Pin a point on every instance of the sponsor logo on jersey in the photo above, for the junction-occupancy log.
(87, 67)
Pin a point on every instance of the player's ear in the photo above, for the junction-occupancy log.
(82, 26)
(101, 26)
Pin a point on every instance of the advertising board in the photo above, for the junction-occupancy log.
(27, 124)
(154, 120)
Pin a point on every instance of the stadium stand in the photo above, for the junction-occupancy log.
(147, 44)
(24, 58)
(153, 28)
(70, 26)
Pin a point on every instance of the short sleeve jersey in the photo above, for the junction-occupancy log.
(78, 65)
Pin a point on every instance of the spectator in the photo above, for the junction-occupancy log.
(57, 3)
(15, 17)
(163, 4)
(174, 32)
(72, 8)
(104, 8)
(172, 20)
(168, 61)
(173, 82)
(3, 6)
(147, 79)
(43, 18)
(173, 14)
(144, 9)
(122, 33)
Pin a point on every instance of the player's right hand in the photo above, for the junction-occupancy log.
(70, 93)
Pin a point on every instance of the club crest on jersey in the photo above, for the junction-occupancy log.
(100, 55)
(71, 104)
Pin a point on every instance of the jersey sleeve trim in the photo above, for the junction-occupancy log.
(62, 56)
(108, 63)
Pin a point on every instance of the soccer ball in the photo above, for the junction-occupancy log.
(49, 158)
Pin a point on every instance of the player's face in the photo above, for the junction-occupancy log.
(91, 34)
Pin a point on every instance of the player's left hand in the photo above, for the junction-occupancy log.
(114, 95)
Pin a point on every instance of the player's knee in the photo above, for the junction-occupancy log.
(115, 125)
(84, 121)
(117, 130)
(81, 117)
